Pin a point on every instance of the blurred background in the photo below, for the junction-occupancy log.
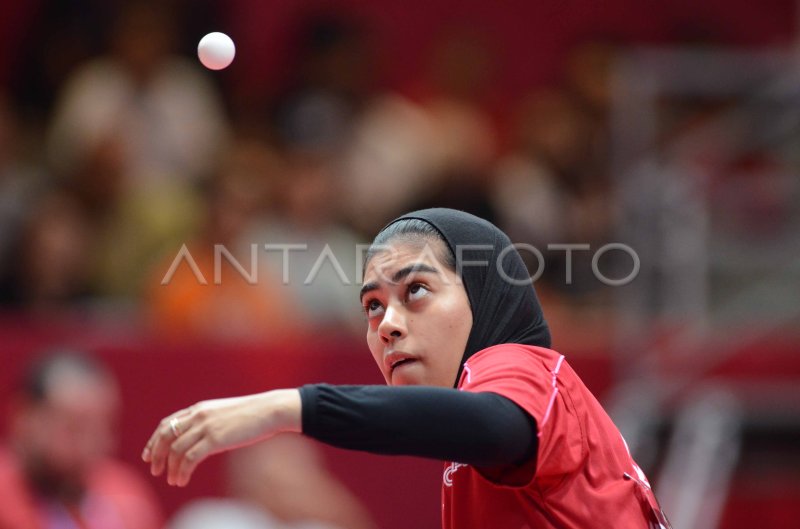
(126, 169)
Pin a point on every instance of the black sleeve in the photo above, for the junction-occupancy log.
(481, 429)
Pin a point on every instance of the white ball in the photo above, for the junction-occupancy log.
(216, 51)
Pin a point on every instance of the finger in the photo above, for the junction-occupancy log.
(160, 450)
(178, 450)
(161, 442)
(162, 439)
(193, 457)
(147, 453)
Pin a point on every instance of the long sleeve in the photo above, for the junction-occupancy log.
(482, 429)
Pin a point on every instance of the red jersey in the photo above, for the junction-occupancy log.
(584, 475)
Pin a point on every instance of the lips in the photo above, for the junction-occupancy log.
(396, 359)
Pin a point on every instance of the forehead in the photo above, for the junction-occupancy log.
(73, 391)
(396, 255)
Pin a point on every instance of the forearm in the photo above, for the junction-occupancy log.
(483, 429)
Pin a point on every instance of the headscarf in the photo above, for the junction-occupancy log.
(505, 308)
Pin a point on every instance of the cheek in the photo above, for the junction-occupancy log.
(465, 325)
(375, 347)
(459, 321)
(458, 330)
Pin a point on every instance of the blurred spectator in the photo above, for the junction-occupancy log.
(133, 133)
(132, 230)
(47, 269)
(56, 471)
(157, 109)
(589, 69)
(528, 194)
(434, 149)
(216, 299)
(278, 484)
(20, 182)
(55, 38)
(465, 143)
(70, 246)
(330, 85)
(333, 123)
(461, 67)
(322, 275)
(214, 513)
(388, 162)
(548, 190)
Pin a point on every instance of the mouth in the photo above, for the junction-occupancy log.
(398, 360)
(399, 363)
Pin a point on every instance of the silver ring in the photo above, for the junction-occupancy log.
(173, 425)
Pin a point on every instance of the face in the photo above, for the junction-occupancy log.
(73, 428)
(418, 313)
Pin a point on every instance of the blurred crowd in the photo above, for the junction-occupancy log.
(132, 180)
(59, 467)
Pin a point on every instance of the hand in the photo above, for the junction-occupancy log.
(214, 426)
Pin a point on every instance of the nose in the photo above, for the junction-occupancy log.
(392, 326)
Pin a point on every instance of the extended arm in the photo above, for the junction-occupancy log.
(483, 429)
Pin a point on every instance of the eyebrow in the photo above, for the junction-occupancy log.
(399, 276)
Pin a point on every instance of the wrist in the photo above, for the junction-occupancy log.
(287, 409)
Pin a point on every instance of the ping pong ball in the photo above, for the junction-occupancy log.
(216, 51)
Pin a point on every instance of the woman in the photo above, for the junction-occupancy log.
(458, 333)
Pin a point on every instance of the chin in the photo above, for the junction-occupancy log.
(401, 380)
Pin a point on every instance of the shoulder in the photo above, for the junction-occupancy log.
(177, 72)
(11, 476)
(516, 354)
(96, 76)
(116, 476)
(130, 492)
(17, 507)
(511, 368)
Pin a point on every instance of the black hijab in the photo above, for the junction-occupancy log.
(505, 309)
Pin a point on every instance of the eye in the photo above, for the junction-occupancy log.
(416, 291)
(373, 308)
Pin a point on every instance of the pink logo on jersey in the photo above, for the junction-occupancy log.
(447, 477)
